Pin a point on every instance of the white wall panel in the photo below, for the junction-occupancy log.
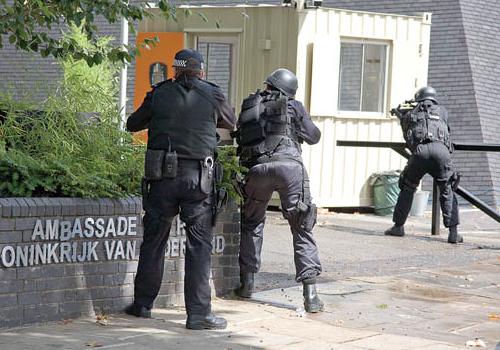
(339, 175)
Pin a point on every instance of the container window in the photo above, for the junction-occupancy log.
(218, 63)
(362, 77)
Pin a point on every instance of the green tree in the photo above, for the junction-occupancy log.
(27, 24)
(70, 144)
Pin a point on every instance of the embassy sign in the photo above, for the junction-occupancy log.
(55, 241)
(89, 239)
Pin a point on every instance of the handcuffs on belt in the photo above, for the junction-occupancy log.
(207, 175)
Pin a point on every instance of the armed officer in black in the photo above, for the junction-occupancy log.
(271, 127)
(427, 135)
(181, 116)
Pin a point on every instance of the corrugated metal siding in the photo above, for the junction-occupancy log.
(340, 175)
(404, 35)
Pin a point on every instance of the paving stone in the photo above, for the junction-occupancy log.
(388, 341)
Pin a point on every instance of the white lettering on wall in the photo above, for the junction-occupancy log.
(89, 228)
(8, 256)
(121, 228)
(77, 229)
(52, 230)
(58, 241)
(99, 225)
(38, 231)
(65, 231)
(132, 226)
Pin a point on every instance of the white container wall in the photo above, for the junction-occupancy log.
(339, 175)
(309, 42)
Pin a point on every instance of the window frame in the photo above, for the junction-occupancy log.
(225, 39)
(388, 59)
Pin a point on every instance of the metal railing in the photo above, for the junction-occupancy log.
(401, 149)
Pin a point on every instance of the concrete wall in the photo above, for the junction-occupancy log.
(38, 288)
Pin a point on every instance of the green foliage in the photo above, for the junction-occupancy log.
(53, 149)
(28, 25)
(232, 169)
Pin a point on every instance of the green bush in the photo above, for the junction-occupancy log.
(70, 144)
(232, 168)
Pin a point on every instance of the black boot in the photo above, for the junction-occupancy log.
(210, 321)
(398, 231)
(312, 303)
(454, 237)
(246, 285)
(138, 311)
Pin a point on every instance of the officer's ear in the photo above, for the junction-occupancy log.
(201, 75)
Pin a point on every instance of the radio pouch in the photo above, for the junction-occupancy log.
(170, 165)
(153, 165)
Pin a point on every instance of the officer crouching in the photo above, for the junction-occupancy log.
(427, 135)
(271, 127)
(181, 116)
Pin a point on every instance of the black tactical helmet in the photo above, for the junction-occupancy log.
(283, 80)
(426, 93)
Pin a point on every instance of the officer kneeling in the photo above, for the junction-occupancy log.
(427, 135)
(182, 116)
(271, 127)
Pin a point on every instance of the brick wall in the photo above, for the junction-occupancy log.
(64, 287)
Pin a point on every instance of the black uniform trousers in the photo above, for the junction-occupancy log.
(287, 178)
(167, 197)
(435, 159)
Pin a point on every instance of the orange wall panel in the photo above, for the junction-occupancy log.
(163, 52)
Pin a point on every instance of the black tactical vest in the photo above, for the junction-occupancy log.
(423, 125)
(184, 118)
(264, 124)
